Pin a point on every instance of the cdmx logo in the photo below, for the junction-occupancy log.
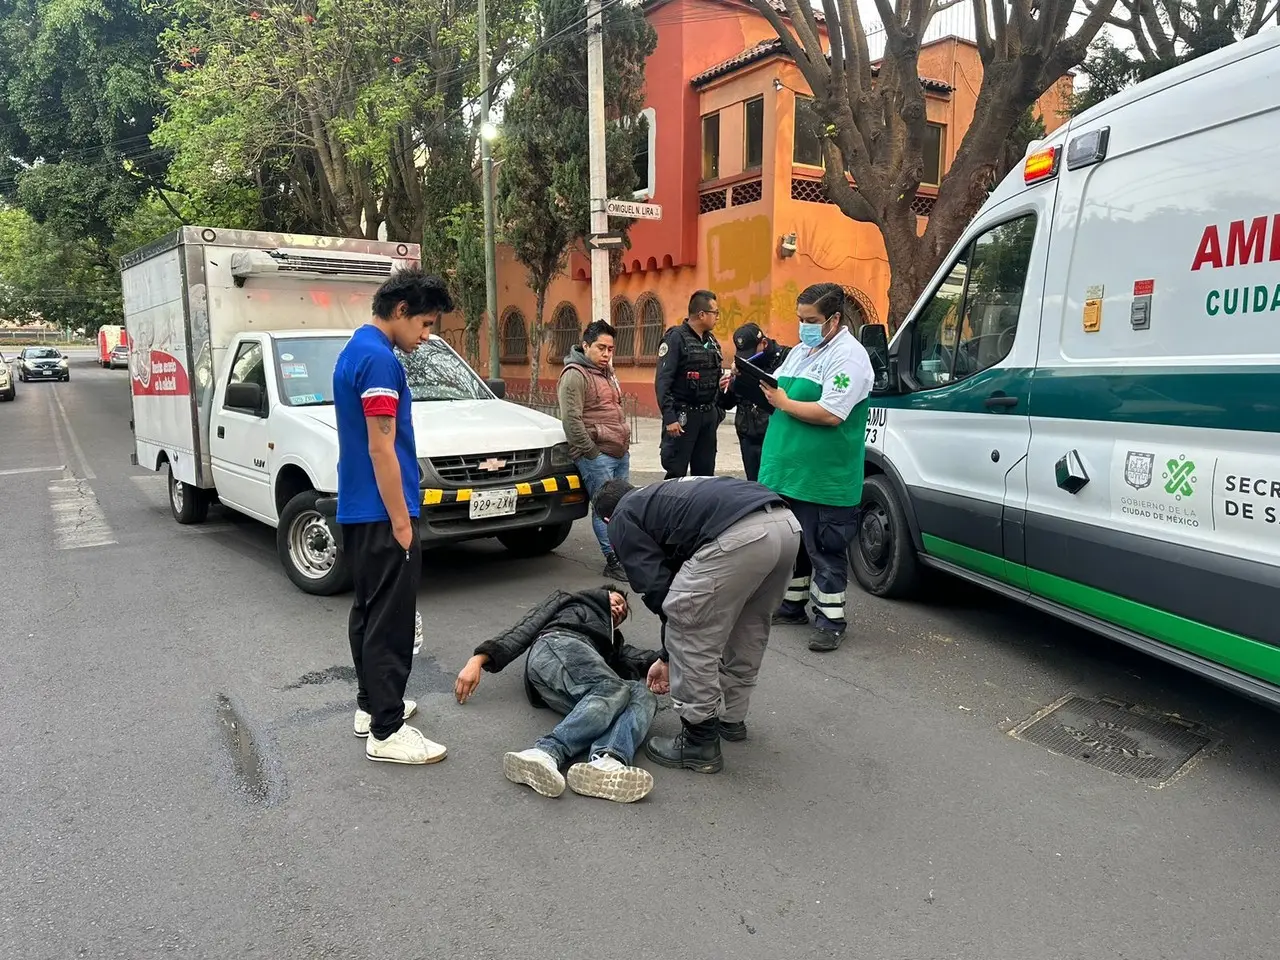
(1180, 477)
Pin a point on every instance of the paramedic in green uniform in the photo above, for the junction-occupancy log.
(813, 456)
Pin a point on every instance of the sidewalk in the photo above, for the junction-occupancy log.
(646, 458)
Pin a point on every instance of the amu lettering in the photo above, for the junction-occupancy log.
(1246, 243)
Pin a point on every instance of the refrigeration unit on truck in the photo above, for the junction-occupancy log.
(234, 336)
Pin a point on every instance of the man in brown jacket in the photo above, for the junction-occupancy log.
(594, 424)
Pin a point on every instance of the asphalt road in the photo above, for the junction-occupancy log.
(880, 809)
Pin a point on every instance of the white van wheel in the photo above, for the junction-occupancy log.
(309, 550)
(187, 503)
(883, 555)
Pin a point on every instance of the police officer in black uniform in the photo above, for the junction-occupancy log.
(687, 385)
(753, 410)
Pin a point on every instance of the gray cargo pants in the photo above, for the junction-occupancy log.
(719, 610)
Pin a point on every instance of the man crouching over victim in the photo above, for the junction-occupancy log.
(578, 666)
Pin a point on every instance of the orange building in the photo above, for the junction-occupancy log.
(734, 159)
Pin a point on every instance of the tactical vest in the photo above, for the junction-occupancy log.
(698, 379)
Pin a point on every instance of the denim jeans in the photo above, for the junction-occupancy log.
(594, 474)
(602, 712)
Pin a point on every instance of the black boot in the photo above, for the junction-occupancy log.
(824, 641)
(696, 747)
(733, 731)
(613, 569)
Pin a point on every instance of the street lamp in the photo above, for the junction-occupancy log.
(489, 131)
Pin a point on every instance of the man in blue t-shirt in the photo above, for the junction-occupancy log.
(378, 509)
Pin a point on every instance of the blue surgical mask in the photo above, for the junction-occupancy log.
(811, 334)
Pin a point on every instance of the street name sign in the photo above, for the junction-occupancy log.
(632, 210)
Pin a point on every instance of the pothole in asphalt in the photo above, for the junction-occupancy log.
(336, 674)
(257, 779)
(427, 677)
(1117, 737)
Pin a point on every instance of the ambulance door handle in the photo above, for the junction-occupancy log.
(222, 432)
(1000, 401)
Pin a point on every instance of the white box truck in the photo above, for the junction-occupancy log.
(233, 338)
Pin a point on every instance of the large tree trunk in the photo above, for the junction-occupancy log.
(911, 262)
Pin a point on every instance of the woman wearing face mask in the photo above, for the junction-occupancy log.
(813, 456)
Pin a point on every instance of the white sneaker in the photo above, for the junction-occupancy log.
(534, 767)
(406, 745)
(364, 720)
(609, 778)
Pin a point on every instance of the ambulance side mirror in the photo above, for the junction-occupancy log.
(875, 340)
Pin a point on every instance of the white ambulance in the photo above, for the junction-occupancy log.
(1083, 411)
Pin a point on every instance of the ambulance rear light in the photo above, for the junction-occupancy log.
(1088, 148)
(1041, 165)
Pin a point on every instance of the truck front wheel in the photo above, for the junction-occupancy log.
(308, 549)
(535, 541)
(883, 556)
(189, 504)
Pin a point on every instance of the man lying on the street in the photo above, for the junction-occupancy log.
(579, 666)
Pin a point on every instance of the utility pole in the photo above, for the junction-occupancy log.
(486, 173)
(599, 184)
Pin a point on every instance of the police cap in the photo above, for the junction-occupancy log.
(746, 337)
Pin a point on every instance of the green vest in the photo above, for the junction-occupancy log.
(805, 461)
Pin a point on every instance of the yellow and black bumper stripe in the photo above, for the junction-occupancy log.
(532, 488)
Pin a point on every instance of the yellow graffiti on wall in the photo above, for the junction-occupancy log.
(777, 308)
(739, 254)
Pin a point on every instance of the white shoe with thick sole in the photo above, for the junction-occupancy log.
(360, 727)
(406, 745)
(536, 768)
(609, 778)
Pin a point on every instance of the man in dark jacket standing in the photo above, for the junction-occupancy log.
(579, 666)
(751, 418)
(594, 422)
(712, 556)
(687, 385)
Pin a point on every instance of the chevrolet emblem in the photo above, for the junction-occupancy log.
(492, 464)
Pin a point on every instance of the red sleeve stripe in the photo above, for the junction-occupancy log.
(379, 406)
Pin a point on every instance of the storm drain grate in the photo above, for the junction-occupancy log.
(1115, 737)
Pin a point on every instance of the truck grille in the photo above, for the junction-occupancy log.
(467, 470)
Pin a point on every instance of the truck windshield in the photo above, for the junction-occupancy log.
(305, 368)
(437, 373)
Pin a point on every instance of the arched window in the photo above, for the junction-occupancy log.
(515, 337)
(624, 321)
(652, 324)
(858, 309)
(565, 331)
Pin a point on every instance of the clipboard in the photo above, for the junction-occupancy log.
(748, 369)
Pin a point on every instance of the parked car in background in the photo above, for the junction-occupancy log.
(119, 357)
(8, 389)
(43, 363)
